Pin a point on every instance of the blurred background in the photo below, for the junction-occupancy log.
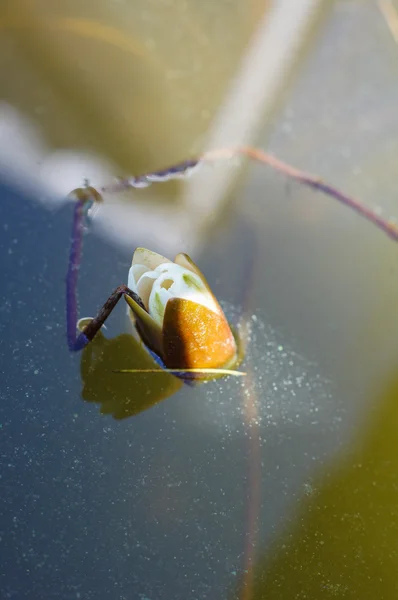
(283, 486)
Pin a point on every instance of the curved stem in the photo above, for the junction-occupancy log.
(85, 197)
(185, 168)
(388, 227)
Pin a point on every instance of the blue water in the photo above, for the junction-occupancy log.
(92, 507)
(152, 506)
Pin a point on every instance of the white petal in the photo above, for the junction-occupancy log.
(157, 302)
(180, 283)
(189, 286)
(135, 273)
(163, 267)
(144, 286)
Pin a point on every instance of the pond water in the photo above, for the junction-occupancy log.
(282, 484)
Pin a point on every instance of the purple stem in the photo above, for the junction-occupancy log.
(75, 342)
(186, 167)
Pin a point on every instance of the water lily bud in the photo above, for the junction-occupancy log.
(182, 322)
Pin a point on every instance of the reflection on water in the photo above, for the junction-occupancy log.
(289, 386)
(122, 395)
